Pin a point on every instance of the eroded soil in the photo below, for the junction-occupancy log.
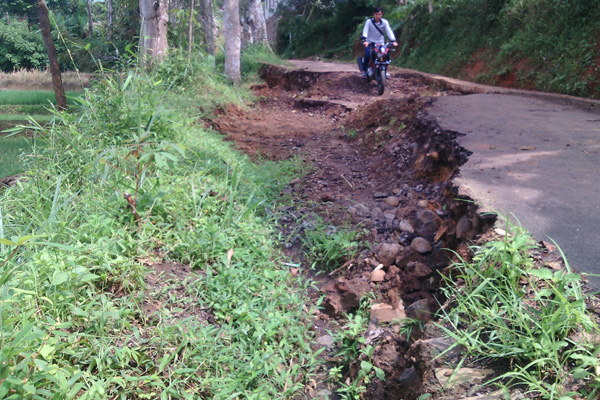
(376, 164)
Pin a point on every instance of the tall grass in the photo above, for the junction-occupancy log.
(31, 97)
(74, 301)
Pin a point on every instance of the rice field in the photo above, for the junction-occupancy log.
(13, 153)
(26, 95)
(32, 97)
(41, 80)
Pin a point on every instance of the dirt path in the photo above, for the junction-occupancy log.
(375, 164)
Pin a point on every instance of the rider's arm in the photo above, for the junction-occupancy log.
(366, 32)
(388, 30)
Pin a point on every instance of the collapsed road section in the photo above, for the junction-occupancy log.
(379, 166)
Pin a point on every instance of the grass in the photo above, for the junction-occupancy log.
(74, 292)
(32, 97)
(510, 310)
(13, 149)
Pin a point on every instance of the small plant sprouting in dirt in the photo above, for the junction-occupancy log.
(354, 352)
(330, 246)
(352, 133)
(507, 309)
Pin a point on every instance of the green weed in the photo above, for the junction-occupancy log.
(353, 351)
(509, 310)
(330, 246)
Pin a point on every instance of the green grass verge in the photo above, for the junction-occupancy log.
(74, 300)
(32, 97)
(532, 319)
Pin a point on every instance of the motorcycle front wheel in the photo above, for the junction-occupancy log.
(381, 81)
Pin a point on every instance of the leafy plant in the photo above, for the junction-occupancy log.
(20, 47)
(354, 352)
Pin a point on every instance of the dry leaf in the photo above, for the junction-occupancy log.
(229, 255)
(294, 271)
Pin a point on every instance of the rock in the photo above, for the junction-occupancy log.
(377, 275)
(462, 226)
(352, 210)
(419, 310)
(405, 226)
(385, 313)
(427, 223)
(323, 394)
(423, 204)
(418, 269)
(393, 271)
(376, 213)
(421, 245)
(343, 296)
(380, 195)
(325, 340)
(463, 375)
(497, 395)
(392, 201)
(433, 348)
(387, 253)
(325, 197)
(389, 215)
(500, 231)
(295, 181)
(409, 377)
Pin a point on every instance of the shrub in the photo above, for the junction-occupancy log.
(21, 48)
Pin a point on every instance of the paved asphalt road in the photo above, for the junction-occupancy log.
(537, 159)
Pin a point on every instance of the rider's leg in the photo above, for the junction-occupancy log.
(366, 60)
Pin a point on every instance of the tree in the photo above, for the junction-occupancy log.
(109, 16)
(59, 89)
(232, 40)
(190, 31)
(90, 20)
(257, 21)
(208, 25)
(154, 16)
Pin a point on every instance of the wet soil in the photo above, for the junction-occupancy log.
(376, 164)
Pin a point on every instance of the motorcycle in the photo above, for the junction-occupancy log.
(376, 67)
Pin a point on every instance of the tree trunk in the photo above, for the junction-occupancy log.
(59, 89)
(109, 11)
(191, 31)
(257, 21)
(208, 25)
(154, 15)
(90, 21)
(232, 40)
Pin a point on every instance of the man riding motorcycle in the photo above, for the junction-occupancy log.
(373, 34)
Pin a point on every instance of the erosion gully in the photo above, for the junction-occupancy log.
(376, 163)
